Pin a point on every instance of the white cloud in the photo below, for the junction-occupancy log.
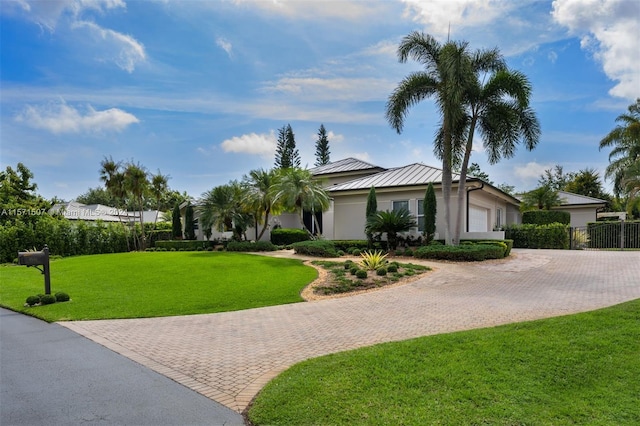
(48, 13)
(225, 45)
(552, 56)
(61, 118)
(335, 137)
(120, 48)
(609, 29)
(335, 9)
(531, 170)
(257, 144)
(332, 89)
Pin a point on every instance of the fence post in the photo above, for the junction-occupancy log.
(622, 234)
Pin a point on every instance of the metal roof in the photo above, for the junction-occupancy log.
(413, 174)
(569, 198)
(342, 166)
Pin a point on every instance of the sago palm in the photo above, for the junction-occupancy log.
(391, 223)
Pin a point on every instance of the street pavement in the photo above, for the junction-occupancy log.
(50, 375)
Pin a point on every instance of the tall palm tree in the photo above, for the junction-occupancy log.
(631, 184)
(113, 178)
(625, 140)
(297, 190)
(445, 78)
(259, 196)
(499, 110)
(159, 186)
(137, 184)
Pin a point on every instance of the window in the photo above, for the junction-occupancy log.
(498, 218)
(399, 205)
(420, 216)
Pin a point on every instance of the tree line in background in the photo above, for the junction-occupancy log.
(287, 154)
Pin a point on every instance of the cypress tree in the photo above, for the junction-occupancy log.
(429, 210)
(189, 231)
(372, 208)
(322, 147)
(176, 224)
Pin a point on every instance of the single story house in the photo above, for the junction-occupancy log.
(583, 209)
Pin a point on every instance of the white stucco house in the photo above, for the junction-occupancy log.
(583, 209)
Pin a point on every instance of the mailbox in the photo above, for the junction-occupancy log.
(38, 258)
(32, 258)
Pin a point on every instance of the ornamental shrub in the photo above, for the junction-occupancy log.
(348, 264)
(47, 299)
(33, 300)
(287, 236)
(552, 236)
(361, 274)
(62, 297)
(320, 248)
(348, 245)
(392, 268)
(381, 271)
(408, 252)
(470, 252)
(356, 252)
(354, 270)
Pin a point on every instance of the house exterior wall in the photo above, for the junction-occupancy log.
(580, 216)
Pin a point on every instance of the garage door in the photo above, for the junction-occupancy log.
(478, 219)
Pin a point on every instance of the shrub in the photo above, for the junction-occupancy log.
(182, 245)
(348, 264)
(471, 252)
(545, 217)
(62, 297)
(286, 236)
(392, 268)
(381, 271)
(362, 274)
(321, 248)
(354, 270)
(553, 236)
(356, 252)
(340, 253)
(33, 300)
(372, 260)
(408, 252)
(47, 299)
(349, 245)
(250, 246)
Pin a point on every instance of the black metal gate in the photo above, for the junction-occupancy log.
(611, 235)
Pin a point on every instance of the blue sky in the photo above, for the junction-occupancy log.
(198, 90)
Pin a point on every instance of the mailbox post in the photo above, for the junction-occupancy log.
(35, 259)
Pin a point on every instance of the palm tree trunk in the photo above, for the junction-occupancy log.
(462, 183)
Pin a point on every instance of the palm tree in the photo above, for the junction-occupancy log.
(259, 196)
(499, 110)
(113, 179)
(391, 223)
(446, 76)
(297, 191)
(542, 198)
(222, 208)
(625, 139)
(159, 186)
(137, 184)
(631, 185)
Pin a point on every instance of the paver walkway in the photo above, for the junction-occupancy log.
(229, 357)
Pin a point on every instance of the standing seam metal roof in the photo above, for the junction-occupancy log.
(341, 166)
(413, 174)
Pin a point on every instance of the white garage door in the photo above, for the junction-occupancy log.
(478, 219)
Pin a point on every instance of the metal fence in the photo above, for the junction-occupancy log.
(618, 235)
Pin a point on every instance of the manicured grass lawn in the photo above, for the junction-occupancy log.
(133, 285)
(580, 369)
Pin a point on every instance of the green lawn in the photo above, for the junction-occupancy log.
(582, 369)
(134, 285)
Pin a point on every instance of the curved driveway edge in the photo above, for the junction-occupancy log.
(230, 356)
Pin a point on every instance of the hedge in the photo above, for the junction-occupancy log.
(184, 244)
(251, 246)
(552, 236)
(546, 217)
(286, 236)
(320, 248)
(464, 252)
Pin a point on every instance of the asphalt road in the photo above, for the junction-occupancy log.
(50, 375)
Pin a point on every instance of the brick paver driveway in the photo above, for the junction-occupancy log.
(228, 357)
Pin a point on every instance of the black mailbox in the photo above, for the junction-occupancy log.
(32, 258)
(38, 258)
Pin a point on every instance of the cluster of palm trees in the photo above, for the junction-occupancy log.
(260, 195)
(474, 92)
(131, 181)
(624, 158)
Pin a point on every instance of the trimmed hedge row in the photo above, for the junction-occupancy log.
(184, 244)
(248, 246)
(464, 252)
(546, 217)
(286, 236)
(320, 248)
(552, 236)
